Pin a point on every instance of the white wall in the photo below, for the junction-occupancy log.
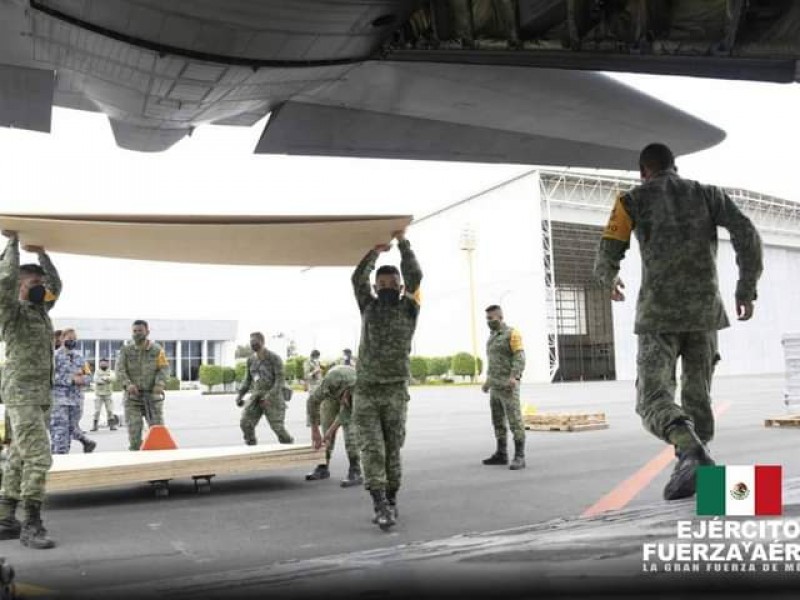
(508, 268)
(751, 347)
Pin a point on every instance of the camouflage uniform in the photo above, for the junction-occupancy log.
(144, 365)
(506, 360)
(324, 406)
(312, 374)
(383, 370)
(103, 394)
(27, 378)
(65, 414)
(679, 309)
(264, 374)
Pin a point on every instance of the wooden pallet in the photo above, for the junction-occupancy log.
(787, 421)
(565, 422)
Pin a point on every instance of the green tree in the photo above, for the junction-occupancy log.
(228, 376)
(419, 368)
(210, 375)
(438, 366)
(293, 368)
(464, 365)
(241, 371)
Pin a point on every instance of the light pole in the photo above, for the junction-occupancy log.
(468, 245)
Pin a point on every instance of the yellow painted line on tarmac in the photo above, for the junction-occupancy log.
(620, 496)
(27, 590)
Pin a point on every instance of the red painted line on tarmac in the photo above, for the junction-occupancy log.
(620, 496)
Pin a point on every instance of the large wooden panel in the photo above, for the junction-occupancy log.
(212, 239)
(105, 469)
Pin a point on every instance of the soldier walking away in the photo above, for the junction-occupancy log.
(506, 358)
(143, 370)
(27, 294)
(103, 395)
(265, 380)
(330, 405)
(312, 372)
(381, 397)
(679, 309)
(71, 379)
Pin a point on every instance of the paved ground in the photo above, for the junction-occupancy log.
(125, 536)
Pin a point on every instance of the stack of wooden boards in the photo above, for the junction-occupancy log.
(105, 469)
(565, 421)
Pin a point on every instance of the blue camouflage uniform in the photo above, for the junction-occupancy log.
(65, 415)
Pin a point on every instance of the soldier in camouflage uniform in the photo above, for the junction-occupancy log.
(264, 374)
(103, 395)
(71, 378)
(679, 309)
(143, 370)
(312, 372)
(27, 294)
(506, 364)
(380, 401)
(347, 359)
(330, 405)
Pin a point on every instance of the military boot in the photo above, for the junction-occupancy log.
(383, 514)
(519, 455)
(112, 423)
(691, 453)
(500, 457)
(391, 498)
(354, 476)
(88, 445)
(34, 535)
(319, 472)
(94, 425)
(10, 526)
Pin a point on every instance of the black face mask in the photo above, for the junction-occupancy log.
(36, 294)
(255, 347)
(389, 296)
(70, 344)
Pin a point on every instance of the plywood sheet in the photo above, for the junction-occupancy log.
(104, 469)
(210, 239)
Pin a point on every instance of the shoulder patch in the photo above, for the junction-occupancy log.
(515, 341)
(619, 225)
(162, 361)
(50, 296)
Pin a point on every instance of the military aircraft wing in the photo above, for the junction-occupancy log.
(497, 81)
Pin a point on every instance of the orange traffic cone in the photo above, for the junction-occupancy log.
(158, 436)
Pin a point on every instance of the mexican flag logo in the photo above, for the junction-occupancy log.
(740, 490)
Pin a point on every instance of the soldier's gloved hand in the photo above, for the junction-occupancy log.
(485, 387)
(157, 390)
(239, 401)
(133, 390)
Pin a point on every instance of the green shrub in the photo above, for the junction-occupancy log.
(438, 366)
(210, 375)
(228, 375)
(464, 365)
(419, 368)
(173, 384)
(241, 371)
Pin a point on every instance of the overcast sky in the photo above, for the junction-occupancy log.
(78, 168)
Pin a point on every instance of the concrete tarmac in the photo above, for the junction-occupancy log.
(125, 539)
